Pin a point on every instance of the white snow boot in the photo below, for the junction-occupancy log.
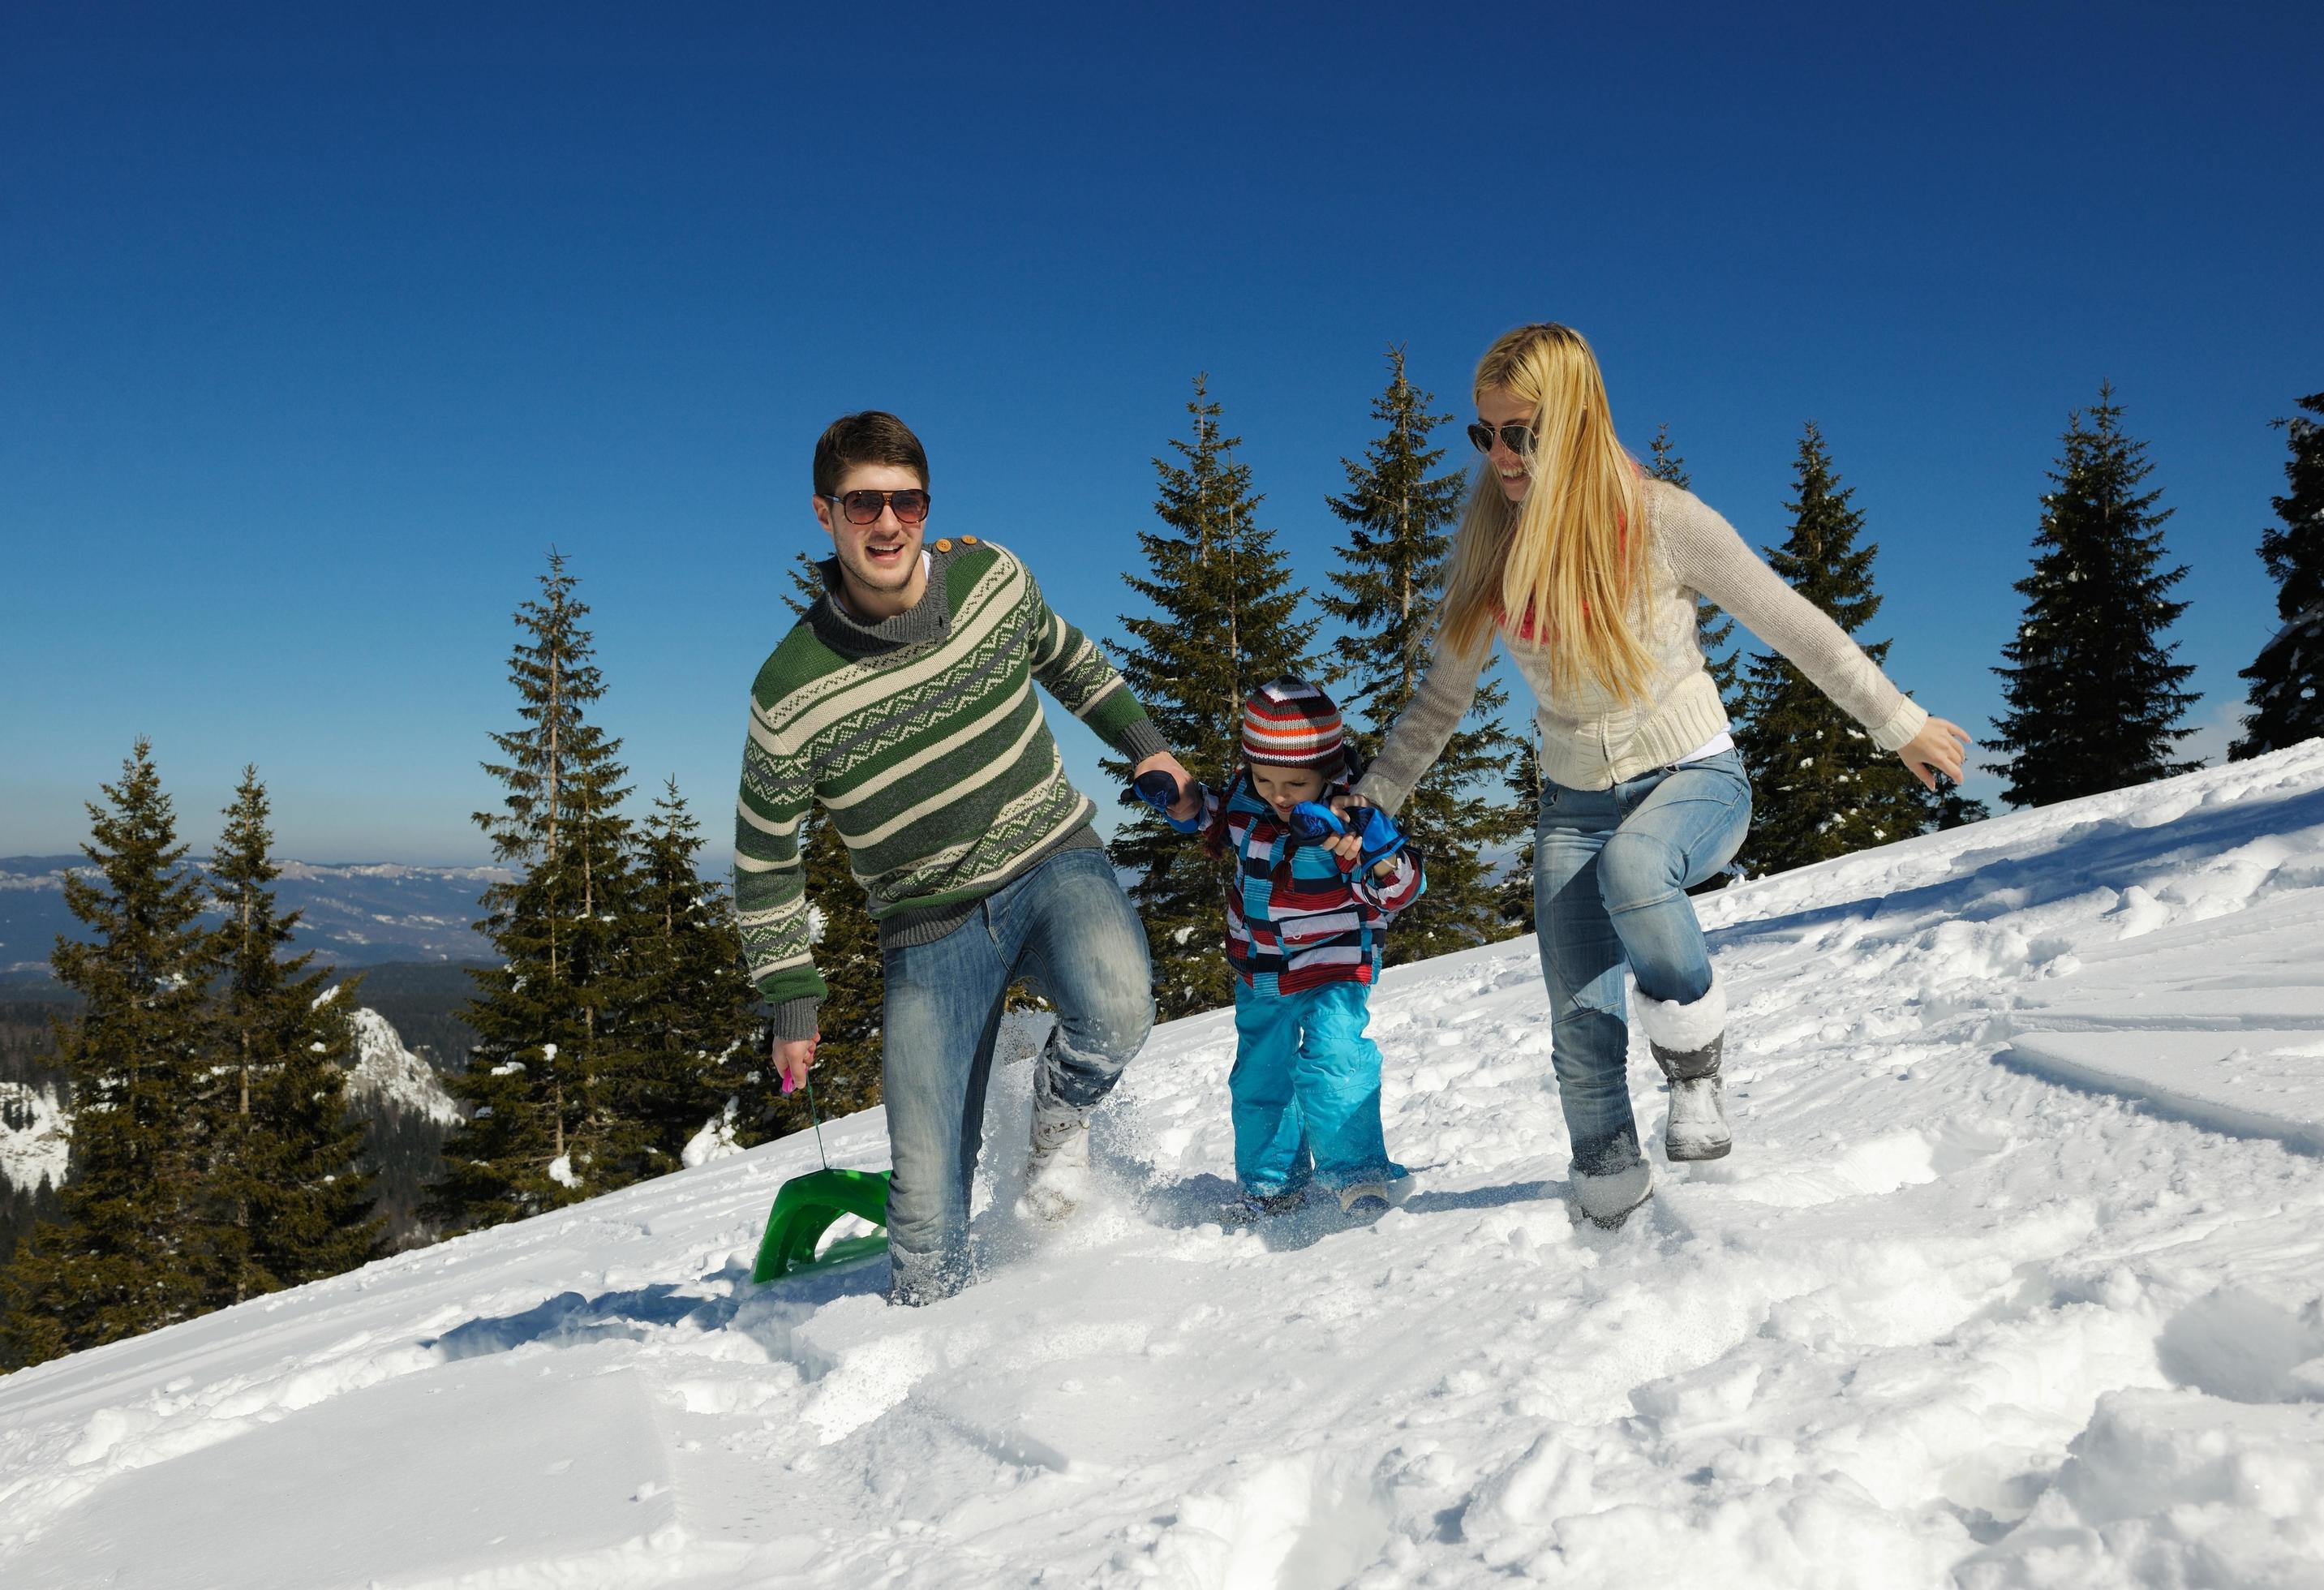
(1364, 1199)
(1057, 1178)
(1686, 1040)
(1619, 1183)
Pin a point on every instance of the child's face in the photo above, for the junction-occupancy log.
(1284, 788)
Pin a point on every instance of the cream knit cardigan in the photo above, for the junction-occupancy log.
(1592, 741)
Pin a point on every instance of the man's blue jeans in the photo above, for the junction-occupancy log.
(1612, 868)
(1066, 928)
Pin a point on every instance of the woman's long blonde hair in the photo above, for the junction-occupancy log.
(1569, 561)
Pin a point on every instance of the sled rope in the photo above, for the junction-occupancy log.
(816, 1120)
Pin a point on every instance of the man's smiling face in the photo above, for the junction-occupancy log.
(878, 562)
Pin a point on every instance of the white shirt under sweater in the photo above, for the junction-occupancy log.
(1589, 739)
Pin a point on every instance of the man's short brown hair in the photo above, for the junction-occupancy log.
(871, 437)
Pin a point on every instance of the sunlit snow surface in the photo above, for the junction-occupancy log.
(2016, 1278)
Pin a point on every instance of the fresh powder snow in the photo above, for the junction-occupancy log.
(2016, 1278)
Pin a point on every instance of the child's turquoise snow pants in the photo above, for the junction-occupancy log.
(1307, 1090)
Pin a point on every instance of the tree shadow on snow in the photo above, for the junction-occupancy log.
(571, 1320)
(1201, 1200)
(1486, 1198)
(1182, 1205)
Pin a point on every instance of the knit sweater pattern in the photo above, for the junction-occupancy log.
(923, 740)
(1591, 739)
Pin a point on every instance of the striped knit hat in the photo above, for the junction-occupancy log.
(1291, 724)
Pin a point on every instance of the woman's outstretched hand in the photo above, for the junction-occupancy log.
(1938, 748)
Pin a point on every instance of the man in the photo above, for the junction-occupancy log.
(902, 701)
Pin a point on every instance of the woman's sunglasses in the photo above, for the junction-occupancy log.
(863, 507)
(1518, 437)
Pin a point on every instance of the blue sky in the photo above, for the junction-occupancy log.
(319, 326)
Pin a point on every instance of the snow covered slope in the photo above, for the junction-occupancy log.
(2015, 1277)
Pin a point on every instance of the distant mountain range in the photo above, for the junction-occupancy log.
(357, 915)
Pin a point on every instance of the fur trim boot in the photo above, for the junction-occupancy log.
(1611, 1181)
(1686, 1040)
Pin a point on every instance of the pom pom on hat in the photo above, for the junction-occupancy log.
(1292, 724)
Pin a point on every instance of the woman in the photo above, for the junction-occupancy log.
(1643, 794)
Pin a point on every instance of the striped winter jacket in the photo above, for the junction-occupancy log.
(1297, 919)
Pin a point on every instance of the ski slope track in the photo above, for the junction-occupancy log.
(2016, 1277)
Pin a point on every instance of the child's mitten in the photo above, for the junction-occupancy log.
(1376, 831)
(1312, 820)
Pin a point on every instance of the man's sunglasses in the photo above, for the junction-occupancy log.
(1518, 437)
(863, 507)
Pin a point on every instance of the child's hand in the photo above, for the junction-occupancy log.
(1364, 831)
(1347, 845)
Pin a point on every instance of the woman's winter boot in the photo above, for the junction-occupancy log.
(1686, 1040)
(1611, 1179)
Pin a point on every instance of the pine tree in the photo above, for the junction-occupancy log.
(1714, 631)
(21, 1210)
(1222, 626)
(690, 1018)
(1824, 789)
(545, 1079)
(1400, 518)
(287, 1202)
(1955, 810)
(2092, 691)
(126, 1257)
(806, 584)
(2287, 678)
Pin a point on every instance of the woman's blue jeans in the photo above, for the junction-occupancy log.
(1610, 872)
(1066, 927)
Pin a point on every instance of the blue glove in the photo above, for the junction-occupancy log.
(1312, 820)
(1159, 791)
(1377, 831)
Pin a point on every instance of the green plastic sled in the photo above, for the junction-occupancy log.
(805, 1207)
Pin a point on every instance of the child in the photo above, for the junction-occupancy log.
(1304, 934)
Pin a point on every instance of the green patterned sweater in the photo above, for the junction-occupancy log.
(922, 739)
